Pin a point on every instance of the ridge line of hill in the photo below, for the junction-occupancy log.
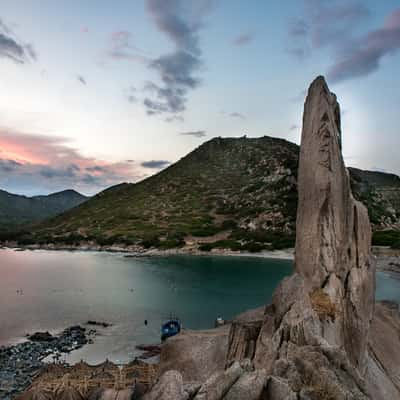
(232, 193)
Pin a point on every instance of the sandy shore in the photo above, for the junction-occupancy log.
(388, 260)
(135, 251)
(287, 254)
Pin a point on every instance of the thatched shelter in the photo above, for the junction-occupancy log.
(68, 393)
(106, 366)
(105, 375)
(53, 370)
(36, 394)
(82, 366)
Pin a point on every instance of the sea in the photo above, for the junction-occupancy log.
(50, 290)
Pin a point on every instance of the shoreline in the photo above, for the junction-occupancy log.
(23, 362)
(388, 260)
(135, 251)
(20, 363)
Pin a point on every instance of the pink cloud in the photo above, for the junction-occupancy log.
(32, 163)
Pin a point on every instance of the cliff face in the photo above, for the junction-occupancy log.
(314, 341)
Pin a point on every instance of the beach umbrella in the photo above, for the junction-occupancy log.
(69, 393)
(36, 394)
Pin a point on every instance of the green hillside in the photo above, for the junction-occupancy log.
(16, 210)
(237, 193)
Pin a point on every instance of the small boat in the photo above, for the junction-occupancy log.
(169, 328)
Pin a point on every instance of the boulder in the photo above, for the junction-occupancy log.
(195, 354)
(169, 386)
(191, 388)
(243, 335)
(41, 337)
(218, 385)
(249, 386)
(279, 389)
(383, 371)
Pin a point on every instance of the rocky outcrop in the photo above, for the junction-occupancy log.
(329, 301)
(218, 384)
(249, 386)
(195, 354)
(169, 386)
(319, 338)
(383, 372)
(333, 231)
(243, 335)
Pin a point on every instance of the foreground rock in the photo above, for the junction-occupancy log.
(218, 384)
(319, 339)
(149, 350)
(195, 354)
(320, 318)
(170, 386)
(41, 337)
(383, 374)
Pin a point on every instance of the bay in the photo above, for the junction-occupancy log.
(50, 290)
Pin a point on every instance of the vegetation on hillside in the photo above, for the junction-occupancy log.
(17, 210)
(235, 193)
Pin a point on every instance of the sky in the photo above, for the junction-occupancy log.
(95, 92)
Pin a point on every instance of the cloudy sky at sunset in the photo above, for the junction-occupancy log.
(93, 93)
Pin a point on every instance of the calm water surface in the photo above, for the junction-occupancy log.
(64, 288)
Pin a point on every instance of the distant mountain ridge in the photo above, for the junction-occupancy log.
(16, 210)
(236, 193)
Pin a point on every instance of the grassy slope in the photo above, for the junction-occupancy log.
(244, 188)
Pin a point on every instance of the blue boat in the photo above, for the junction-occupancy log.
(169, 328)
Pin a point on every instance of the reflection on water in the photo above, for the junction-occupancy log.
(44, 290)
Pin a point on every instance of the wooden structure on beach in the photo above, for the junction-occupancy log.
(85, 380)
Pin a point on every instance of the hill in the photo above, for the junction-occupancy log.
(16, 210)
(237, 193)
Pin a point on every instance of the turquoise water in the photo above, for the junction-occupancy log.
(63, 288)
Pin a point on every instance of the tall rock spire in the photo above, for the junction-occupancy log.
(329, 302)
(333, 230)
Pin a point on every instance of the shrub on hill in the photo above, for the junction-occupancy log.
(385, 238)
